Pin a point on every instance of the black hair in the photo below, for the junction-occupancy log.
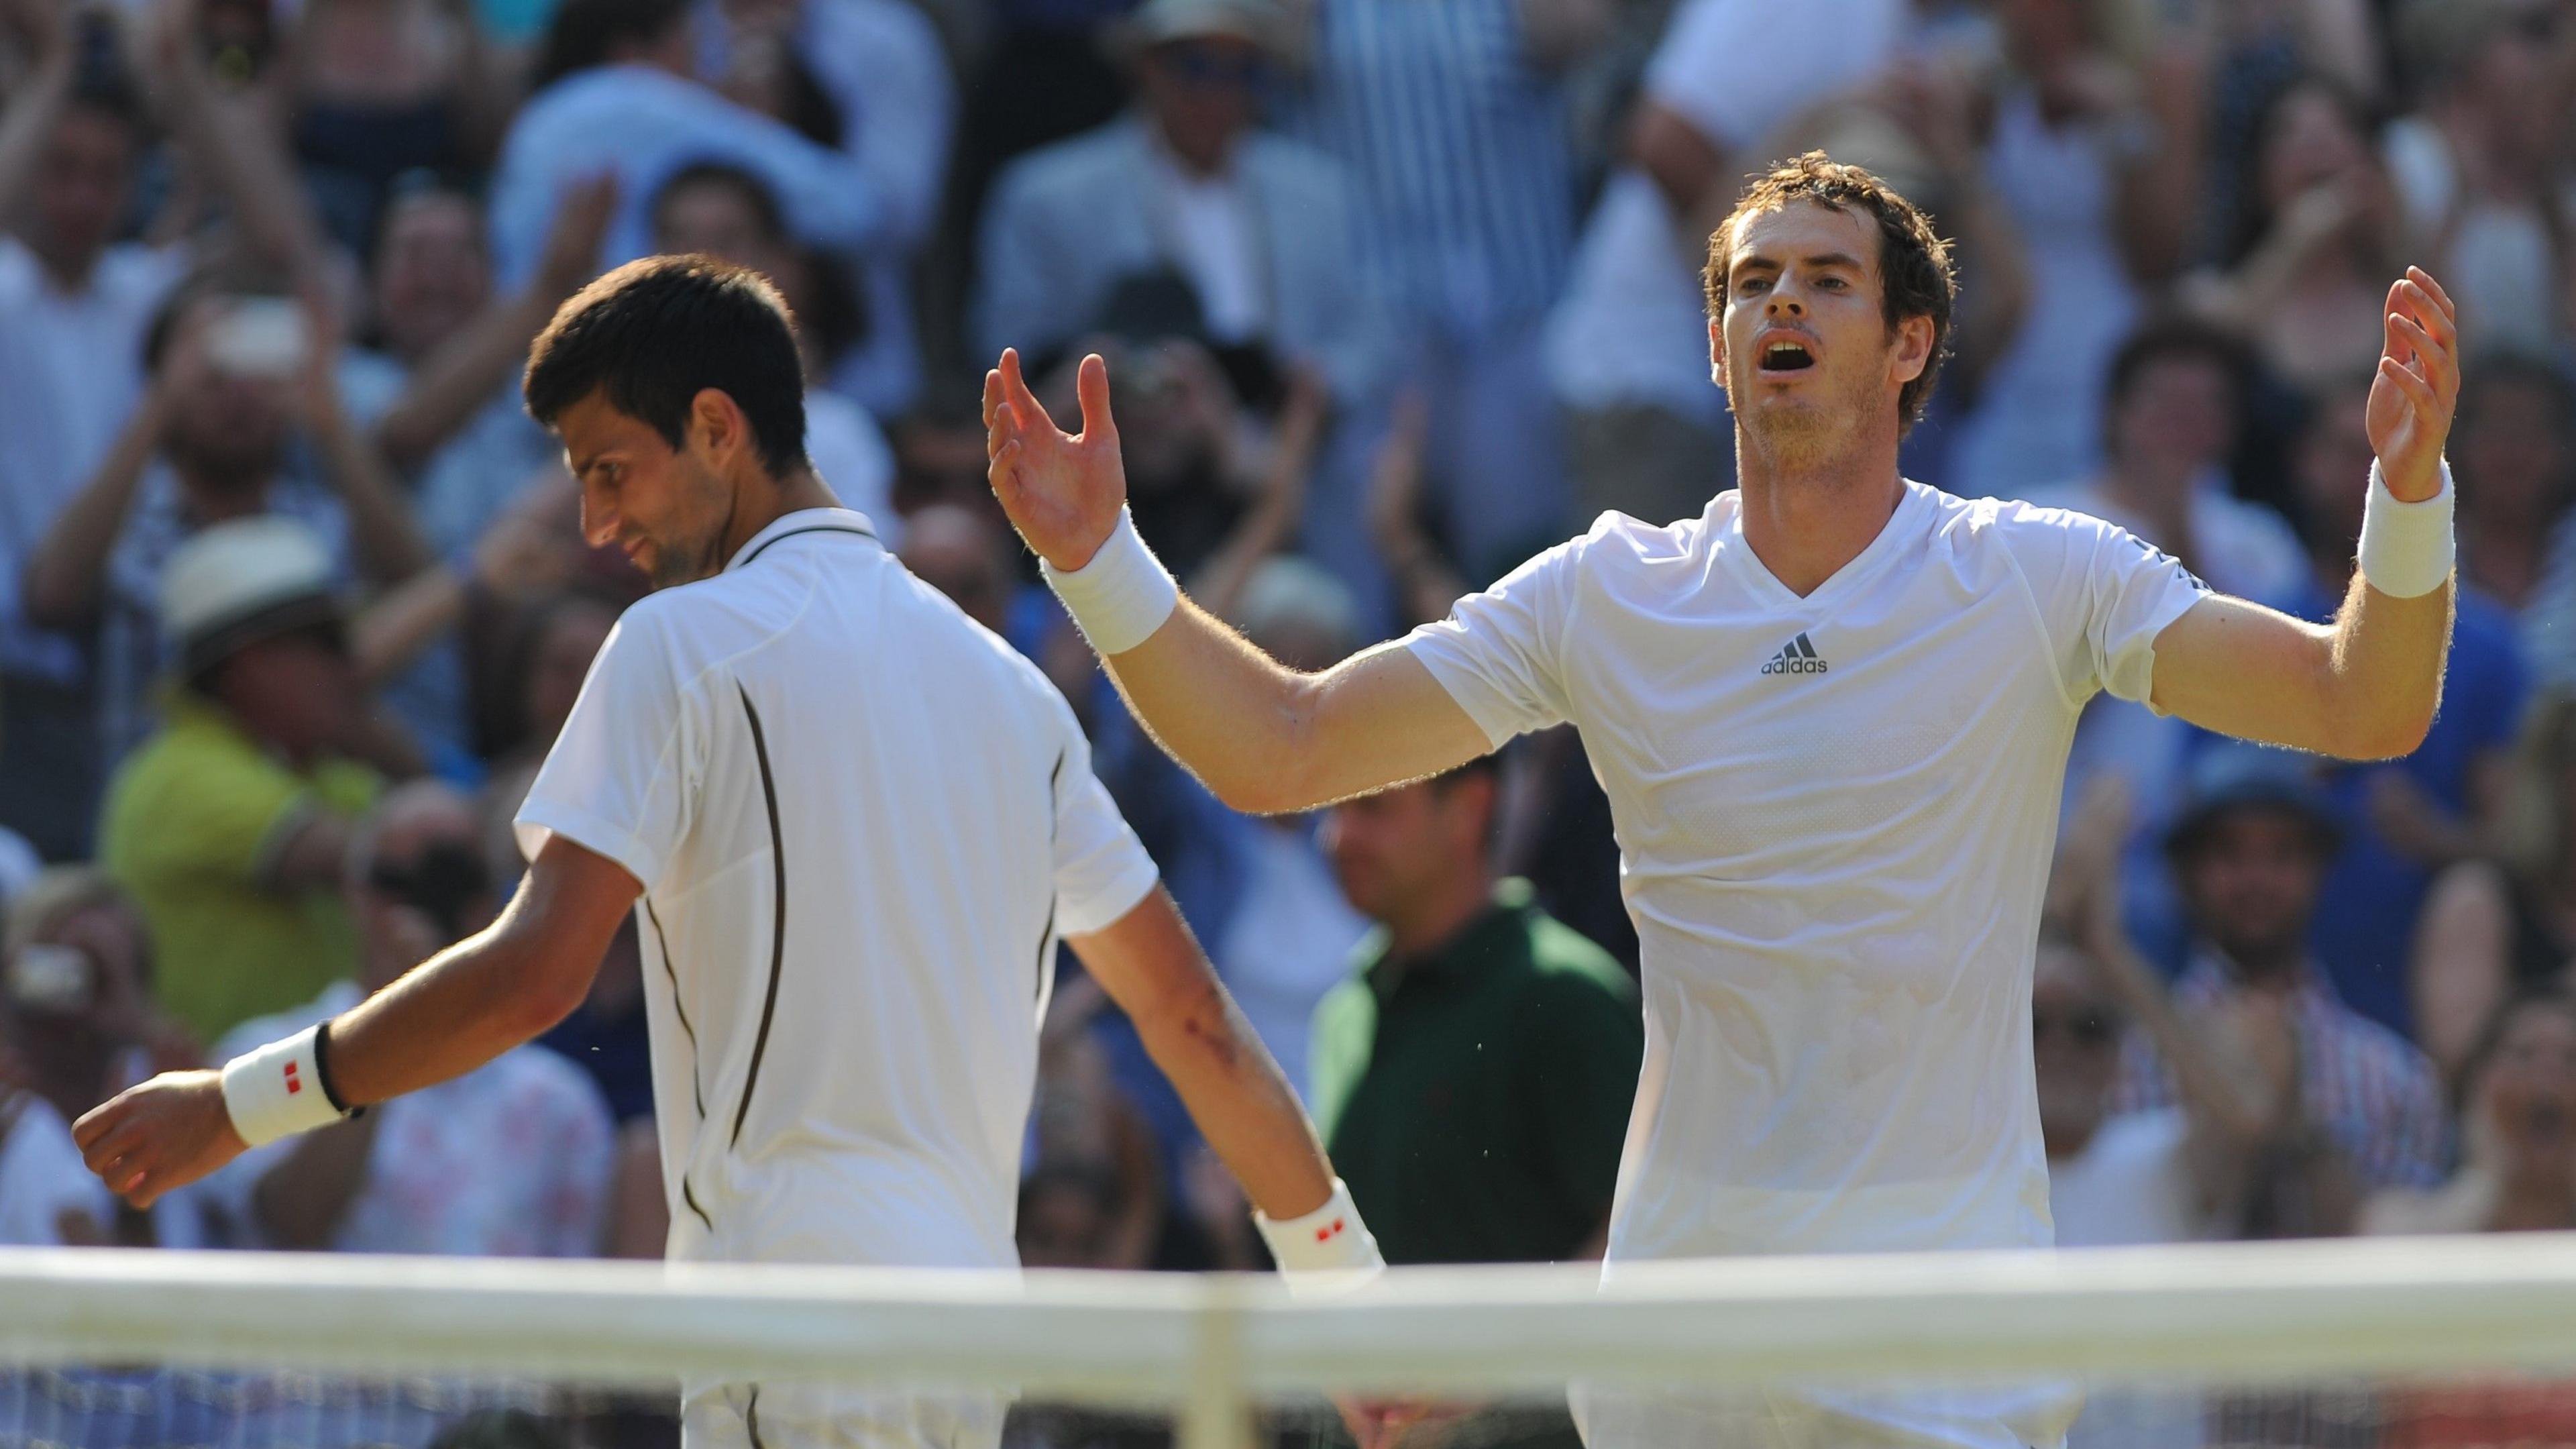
(655, 333)
(585, 33)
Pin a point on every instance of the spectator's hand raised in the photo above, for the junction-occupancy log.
(162, 1135)
(573, 241)
(2418, 386)
(1063, 492)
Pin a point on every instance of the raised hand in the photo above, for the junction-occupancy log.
(164, 1134)
(2418, 385)
(1062, 493)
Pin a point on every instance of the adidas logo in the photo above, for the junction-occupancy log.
(1798, 656)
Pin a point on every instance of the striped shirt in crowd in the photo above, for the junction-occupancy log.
(1459, 149)
(2371, 1091)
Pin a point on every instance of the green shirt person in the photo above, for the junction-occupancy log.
(1473, 1079)
(230, 825)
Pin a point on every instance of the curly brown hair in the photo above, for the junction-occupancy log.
(1915, 275)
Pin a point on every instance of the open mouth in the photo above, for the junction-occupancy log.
(1787, 357)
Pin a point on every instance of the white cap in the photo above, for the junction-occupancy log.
(242, 581)
(1263, 22)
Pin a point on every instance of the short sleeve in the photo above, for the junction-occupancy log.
(1101, 868)
(2103, 595)
(1498, 652)
(620, 778)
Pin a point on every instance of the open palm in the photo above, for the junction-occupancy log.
(1062, 492)
(2417, 387)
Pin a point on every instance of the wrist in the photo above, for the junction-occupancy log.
(282, 1088)
(1119, 596)
(2406, 545)
(1323, 1251)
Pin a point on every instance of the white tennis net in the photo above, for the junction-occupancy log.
(2225, 1343)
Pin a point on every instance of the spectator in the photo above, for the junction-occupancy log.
(880, 64)
(2358, 1108)
(2169, 426)
(2513, 442)
(511, 1159)
(231, 827)
(2403, 820)
(728, 212)
(1187, 196)
(48, 1196)
(2518, 1092)
(235, 377)
(1468, 91)
(80, 1017)
(2303, 278)
(1473, 1078)
(74, 306)
(378, 88)
(1627, 347)
(615, 94)
(2478, 165)
(2094, 147)
(2492, 928)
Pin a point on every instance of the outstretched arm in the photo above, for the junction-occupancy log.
(2366, 686)
(456, 1011)
(1264, 738)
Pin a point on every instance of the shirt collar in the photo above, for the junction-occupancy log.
(803, 520)
(1460, 955)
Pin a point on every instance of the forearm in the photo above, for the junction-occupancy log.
(2386, 668)
(248, 166)
(392, 631)
(1240, 1100)
(461, 377)
(388, 543)
(451, 1014)
(69, 568)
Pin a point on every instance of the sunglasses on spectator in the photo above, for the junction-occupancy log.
(1207, 65)
(2090, 1029)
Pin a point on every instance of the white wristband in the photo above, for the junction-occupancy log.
(1325, 1251)
(1122, 596)
(2406, 548)
(277, 1091)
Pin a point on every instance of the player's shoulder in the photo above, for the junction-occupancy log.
(2048, 535)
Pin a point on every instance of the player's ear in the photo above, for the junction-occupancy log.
(716, 424)
(1913, 348)
(1717, 352)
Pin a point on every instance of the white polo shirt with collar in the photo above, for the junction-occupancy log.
(862, 822)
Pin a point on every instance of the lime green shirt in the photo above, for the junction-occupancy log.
(1475, 1100)
(194, 826)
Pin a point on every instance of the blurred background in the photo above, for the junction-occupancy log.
(1394, 293)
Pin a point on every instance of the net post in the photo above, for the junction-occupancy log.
(1218, 1412)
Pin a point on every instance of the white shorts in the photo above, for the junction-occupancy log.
(795, 1416)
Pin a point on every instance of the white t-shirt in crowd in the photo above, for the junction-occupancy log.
(43, 1182)
(1835, 815)
(861, 822)
(1288, 942)
(2132, 1184)
(1633, 327)
(71, 372)
(1208, 225)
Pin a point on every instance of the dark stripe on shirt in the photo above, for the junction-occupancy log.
(678, 1010)
(809, 528)
(778, 925)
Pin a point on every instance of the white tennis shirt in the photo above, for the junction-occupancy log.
(1835, 815)
(861, 822)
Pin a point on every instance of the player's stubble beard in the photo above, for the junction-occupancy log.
(1802, 438)
(687, 556)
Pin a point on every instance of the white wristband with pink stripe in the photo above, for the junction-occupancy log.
(1326, 1250)
(277, 1090)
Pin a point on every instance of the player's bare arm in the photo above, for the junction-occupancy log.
(2366, 686)
(470, 1003)
(1264, 738)
(1152, 966)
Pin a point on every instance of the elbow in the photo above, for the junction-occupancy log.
(2389, 738)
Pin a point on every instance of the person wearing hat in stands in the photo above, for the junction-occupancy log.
(2355, 1107)
(231, 825)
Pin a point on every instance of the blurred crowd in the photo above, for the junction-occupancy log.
(1394, 293)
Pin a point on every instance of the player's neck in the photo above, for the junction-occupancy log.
(1806, 518)
(762, 501)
